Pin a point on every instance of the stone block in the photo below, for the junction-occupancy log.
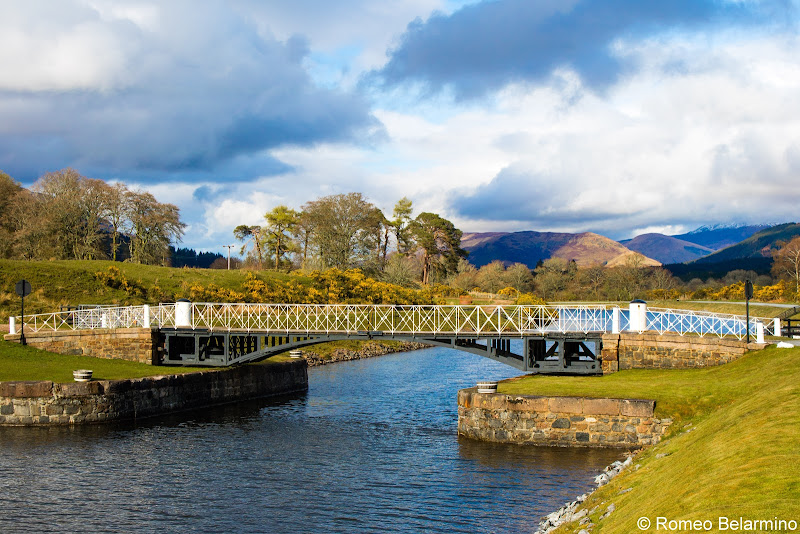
(638, 407)
(24, 389)
(54, 409)
(609, 367)
(561, 422)
(80, 389)
(529, 404)
(601, 406)
(566, 405)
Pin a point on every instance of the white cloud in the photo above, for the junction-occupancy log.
(704, 127)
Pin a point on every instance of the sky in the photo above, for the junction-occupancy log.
(619, 117)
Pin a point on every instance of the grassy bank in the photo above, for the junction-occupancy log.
(57, 283)
(732, 452)
(27, 363)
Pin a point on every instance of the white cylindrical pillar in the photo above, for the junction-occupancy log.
(776, 324)
(12, 325)
(638, 315)
(104, 320)
(759, 332)
(146, 316)
(615, 320)
(183, 314)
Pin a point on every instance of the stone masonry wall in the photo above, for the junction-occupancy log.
(651, 350)
(46, 403)
(558, 421)
(132, 344)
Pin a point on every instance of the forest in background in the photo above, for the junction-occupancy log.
(66, 216)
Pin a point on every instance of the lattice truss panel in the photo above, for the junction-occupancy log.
(357, 318)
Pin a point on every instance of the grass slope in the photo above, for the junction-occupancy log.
(27, 363)
(739, 458)
(72, 282)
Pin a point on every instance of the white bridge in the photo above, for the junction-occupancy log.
(554, 338)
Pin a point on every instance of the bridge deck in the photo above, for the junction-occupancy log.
(231, 333)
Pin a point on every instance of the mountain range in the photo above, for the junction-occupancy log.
(722, 245)
(529, 248)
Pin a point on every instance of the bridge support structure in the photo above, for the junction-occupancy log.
(573, 354)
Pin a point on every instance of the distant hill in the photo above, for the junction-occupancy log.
(666, 249)
(718, 237)
(531, 247)
(759, 245)
(718, 269)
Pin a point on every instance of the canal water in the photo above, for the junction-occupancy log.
(371, 447)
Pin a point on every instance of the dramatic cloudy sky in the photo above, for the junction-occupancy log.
(615, 116)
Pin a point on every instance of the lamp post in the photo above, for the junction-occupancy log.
(748, 294)
(23, 289)
(229, 247)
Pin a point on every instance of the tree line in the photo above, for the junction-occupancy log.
(65, 215)
(346, 231)
(557, 279)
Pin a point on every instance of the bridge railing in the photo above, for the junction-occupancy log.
(402, 319)
(703, 323)
(86, 319)
(391, 319)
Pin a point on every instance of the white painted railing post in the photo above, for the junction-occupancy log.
(615, 312)
(146, 316)
(638, 314)
(12, 325)
(104, 320)
(776, 325)
(759, 332)
(183, 314)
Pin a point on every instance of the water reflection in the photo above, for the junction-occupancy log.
(371, 447)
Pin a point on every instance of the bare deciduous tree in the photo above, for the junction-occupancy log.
(787, 263)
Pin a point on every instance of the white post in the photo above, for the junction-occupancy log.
(183, 314)
(776, 324)
(12, 325)
(146, 318)
(104, 320)
(759, 332)
(638, 313)
(615, 320)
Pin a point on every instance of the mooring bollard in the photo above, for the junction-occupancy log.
(759, 332)
(487, 387)
(12, 325)
(82, 375)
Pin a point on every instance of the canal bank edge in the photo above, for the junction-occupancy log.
(48, 403)
(559, 421)
(370, 349)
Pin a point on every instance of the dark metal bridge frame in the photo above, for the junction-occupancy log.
(558, 353)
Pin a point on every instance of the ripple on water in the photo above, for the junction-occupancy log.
(371, 447)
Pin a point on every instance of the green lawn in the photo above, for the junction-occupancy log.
(678, 393)
(739, 458)
(27, 363)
